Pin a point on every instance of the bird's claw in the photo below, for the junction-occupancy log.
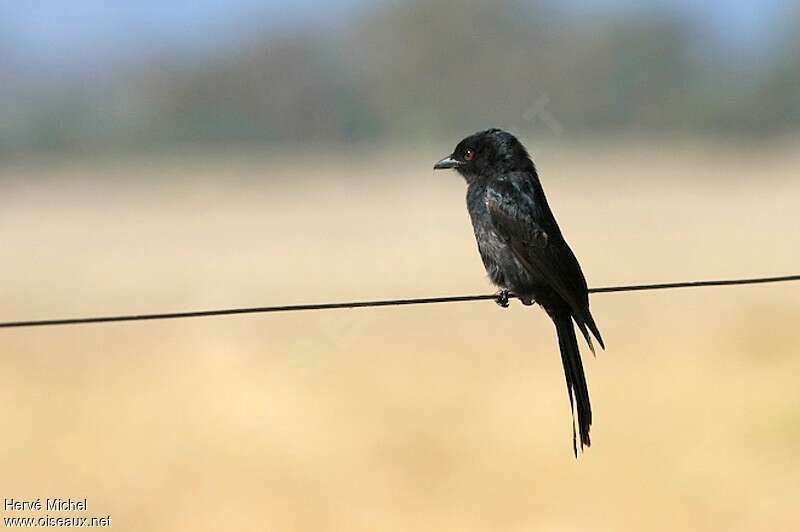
(501, 298)
(527, 301)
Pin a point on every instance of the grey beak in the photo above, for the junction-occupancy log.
(447, 162)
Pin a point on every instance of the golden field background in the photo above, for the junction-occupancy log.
(443, 417)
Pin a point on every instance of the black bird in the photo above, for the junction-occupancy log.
(524, 252)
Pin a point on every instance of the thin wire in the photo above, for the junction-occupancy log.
(381, 303)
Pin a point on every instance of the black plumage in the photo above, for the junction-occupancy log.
(524, 251)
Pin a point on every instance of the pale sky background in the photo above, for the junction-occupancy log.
(82, 34)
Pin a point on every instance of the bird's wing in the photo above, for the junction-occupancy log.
(513, 215)
(539, 246)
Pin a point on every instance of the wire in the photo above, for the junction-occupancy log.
(381, 303)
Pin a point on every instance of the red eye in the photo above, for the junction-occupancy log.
(469, 155)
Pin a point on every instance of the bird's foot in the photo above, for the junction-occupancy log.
(527, 300)
(501, 298)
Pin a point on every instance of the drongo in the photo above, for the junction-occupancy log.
(525, 253)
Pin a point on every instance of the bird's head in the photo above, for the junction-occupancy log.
(485, 154)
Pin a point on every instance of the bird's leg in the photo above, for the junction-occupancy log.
(501, 298)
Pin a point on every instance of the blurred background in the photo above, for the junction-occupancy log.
(160, 156)
(90, 75)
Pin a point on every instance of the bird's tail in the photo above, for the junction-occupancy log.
(576, 380)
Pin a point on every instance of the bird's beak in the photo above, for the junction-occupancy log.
(447, 162)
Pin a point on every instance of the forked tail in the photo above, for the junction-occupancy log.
(576, 380)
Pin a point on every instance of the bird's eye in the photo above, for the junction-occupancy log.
(469, 155)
